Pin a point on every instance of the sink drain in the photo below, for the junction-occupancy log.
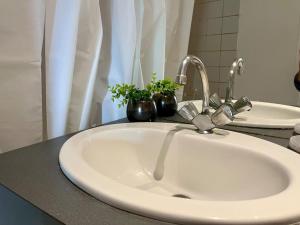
(181, 196)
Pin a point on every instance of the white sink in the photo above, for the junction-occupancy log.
(264, 115)
(230, 177)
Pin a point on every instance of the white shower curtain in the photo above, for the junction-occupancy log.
(57, 59)
(21, 41)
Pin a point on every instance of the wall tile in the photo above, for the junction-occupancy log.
(202, 28)
(188, 88)
(213, 43)
(197, 87)
(199, 26)
(213, 39)
(202, 43)
(197, 43)
(211, 9)
(214, 87)
(213, 74)
(230, 24)
(222, 89)
(227, 58)
(224, 71)
(210, 58)
(214, 26)
(204, 1)
(229, 42)
(231, 7)
(196, 10)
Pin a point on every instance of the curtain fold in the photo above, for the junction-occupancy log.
(72, 56)
(89, 42)
(179, 19)
(137, 77)
(116, 63)
(153, 45)
(60, 52)
(78, 48)
(21, 41)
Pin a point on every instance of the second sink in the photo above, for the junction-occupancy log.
(263, 115)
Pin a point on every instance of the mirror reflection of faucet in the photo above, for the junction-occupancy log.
(237, 67)
(243, 103)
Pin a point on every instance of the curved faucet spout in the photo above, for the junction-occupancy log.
(237, 67)
(181, 78)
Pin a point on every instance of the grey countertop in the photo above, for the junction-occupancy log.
(33, 174)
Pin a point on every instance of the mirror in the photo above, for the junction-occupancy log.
(264, 33)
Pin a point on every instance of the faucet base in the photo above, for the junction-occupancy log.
(205, 131)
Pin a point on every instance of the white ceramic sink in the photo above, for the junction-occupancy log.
(264, 115)
(230, 178)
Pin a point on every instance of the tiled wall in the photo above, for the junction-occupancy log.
(213, 38)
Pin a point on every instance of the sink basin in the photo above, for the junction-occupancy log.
(170, 172)
(264, 115)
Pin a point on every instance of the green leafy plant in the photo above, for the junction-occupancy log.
(165, 86)
(126, 92)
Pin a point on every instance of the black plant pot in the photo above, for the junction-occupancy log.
(141, 111)
(166, 104)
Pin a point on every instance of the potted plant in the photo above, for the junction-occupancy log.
(164, 95)
(140, 106)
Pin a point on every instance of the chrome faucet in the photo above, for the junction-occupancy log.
(204, 121)
(181, 78)
(237, 67)
(243, 103)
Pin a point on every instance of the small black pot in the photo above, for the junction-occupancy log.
(141, 111)
(166, 104)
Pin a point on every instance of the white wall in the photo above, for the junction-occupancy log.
(267, 40)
